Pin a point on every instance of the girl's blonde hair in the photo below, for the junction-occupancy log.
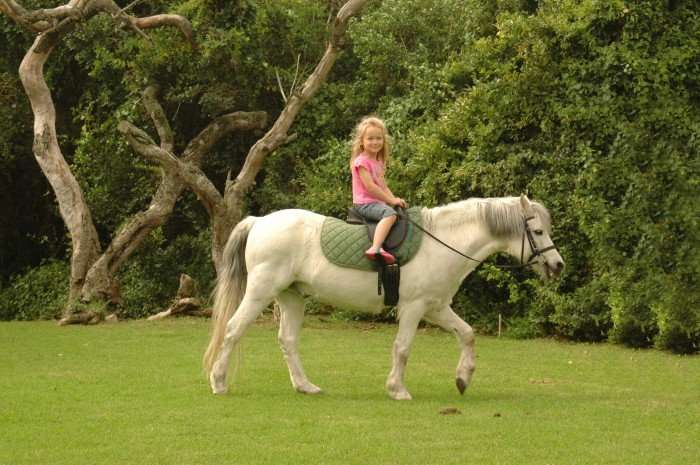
(359, 134)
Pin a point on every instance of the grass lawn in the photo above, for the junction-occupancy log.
(133, 393)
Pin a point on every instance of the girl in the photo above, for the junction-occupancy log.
(371, 196)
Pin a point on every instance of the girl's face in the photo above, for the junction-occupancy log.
(373, 140)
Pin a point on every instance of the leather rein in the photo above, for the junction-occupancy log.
(527, 234)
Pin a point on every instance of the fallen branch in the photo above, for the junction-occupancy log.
(185, 304)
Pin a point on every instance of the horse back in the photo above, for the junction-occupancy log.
(283, 235)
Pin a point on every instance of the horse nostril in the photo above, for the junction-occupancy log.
(560, 266)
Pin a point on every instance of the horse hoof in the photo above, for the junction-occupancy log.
(461, 385)
(217, 386)
(309, 389)
(404, 395)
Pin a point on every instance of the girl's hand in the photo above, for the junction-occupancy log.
(398, 202)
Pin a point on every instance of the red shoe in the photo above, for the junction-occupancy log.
(372, 254)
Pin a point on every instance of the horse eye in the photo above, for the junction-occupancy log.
(539, 232)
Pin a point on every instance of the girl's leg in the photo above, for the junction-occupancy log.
(386, 217)
(382, 231)
(380, 235)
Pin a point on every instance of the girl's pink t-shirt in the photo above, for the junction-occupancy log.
(360, 195)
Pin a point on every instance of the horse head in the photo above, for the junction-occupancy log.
(536, 247)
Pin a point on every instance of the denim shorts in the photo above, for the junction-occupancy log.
(374, 211)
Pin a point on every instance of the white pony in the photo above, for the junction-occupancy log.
(278, 257)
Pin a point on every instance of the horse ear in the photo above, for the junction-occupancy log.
(525, 202)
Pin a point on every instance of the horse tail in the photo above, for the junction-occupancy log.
(230, 288)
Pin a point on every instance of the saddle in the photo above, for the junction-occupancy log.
(344, 243)
(388, 276)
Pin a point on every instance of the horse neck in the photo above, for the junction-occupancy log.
(459, 225)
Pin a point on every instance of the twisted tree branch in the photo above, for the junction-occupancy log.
(160, 120)
(177, 21)
(142, 143)
(187, 168)
(220, 127)
(60, 19)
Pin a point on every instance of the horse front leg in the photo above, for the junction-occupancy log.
(291, 317)
(409, 317)
(448, 320)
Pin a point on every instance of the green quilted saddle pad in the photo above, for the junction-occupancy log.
(344, 244)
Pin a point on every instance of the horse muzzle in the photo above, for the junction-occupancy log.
(553, 270)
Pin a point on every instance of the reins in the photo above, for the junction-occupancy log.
(536, 252)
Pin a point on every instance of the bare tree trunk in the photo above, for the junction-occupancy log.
(99, 280)
(92, 274)
(47, 152)
(179, 170)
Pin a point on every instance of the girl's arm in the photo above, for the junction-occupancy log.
(375, 190)
(400, 202)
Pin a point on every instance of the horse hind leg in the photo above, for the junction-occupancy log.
(259, 293)
(291, 317)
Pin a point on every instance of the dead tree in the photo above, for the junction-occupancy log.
(92, 270)
(226, 209)
(172, 184)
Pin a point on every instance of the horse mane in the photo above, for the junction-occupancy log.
(503, 216)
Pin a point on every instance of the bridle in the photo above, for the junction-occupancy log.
(527, 234)
(536, 252)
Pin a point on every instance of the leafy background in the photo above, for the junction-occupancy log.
(592, 107)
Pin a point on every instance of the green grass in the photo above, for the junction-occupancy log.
(133, 393)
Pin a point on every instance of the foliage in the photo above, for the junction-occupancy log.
(31, 228)
(233, 67)
(592, 107)
(589, 106)
(40, 293)
(150, 280)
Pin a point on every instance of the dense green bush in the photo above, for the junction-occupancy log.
(40, 293)
(150, 280)
(591, 106)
